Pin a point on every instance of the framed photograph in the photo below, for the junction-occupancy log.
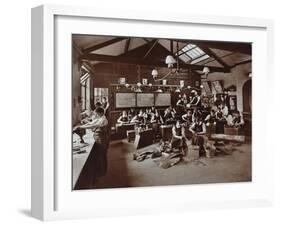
(181, 83)
(217, 87)
(122, 81)
(144, 81)
(86, 160)
(232, 102)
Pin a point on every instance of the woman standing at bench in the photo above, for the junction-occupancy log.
(96, 165)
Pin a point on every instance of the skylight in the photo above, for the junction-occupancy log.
(199, 59)
(192, 54)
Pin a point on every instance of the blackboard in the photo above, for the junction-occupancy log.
(162, 99)
(125, 100)
(145, 99)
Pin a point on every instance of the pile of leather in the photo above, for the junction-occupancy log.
(168, 160)
(165, 146)
(140, 156)
(167, 157)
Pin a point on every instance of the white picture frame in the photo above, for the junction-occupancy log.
(52, 197)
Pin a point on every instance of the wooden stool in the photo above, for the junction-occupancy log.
(131, 134)
(193, 152)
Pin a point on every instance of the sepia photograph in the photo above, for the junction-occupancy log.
(160, 112)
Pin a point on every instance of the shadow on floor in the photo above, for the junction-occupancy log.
(25, 212)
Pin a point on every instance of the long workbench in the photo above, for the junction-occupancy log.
(80, 156)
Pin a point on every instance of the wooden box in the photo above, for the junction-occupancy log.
(193, 152)
(131, 134)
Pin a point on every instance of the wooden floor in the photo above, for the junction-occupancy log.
(123, 171)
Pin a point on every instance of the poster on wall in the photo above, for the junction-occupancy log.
(232, 102)
(217, 86)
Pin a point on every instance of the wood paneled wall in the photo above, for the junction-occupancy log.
(109, 73)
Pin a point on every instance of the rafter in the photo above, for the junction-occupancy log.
(127, 45)
(150, 49)
(240, 47)
(131, 60)
(101, 45)
(145, 39)
(212, 54)
(212, 60)
(242, 62)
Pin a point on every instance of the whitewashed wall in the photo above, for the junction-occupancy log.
(238, 76)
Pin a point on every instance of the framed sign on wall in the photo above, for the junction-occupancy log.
(125, 100)
(52, 90)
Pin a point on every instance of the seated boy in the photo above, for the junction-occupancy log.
(198, 129)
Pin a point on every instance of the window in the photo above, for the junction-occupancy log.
(99, 93)
(85, 90)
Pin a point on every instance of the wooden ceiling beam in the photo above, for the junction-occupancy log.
(242, 62)
(215, 56)
(239, 47)
(101, 45)
(171, 46)
(145, 39)
(127, 45)
(136, 61)
(150, 49)
(212, 59)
